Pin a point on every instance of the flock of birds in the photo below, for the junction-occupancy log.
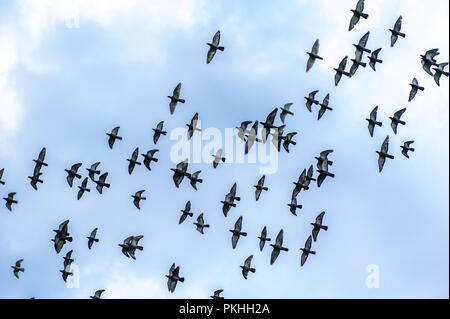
(249, 136)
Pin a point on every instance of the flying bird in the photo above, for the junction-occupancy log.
(113, 136)
(247, 266)
(383, 154)
(406, 148)
(324, 156)
(288, 140)
(72, 173)
(213, 47)
(186, 212)
(180, 172)
(93, 171)
(428, 60)
(293, 206)
(150, 157)
(373, 121)
(40, 161)
(310, 99)
(324, 106)
(252, 137)
(260, 187)
(414, 87)
(313, 55)
(133, 160)
(158, 131)
(302, 183)
(237, 232)
(361, 47)
(357, 14)
(277, 136)
(229, 200)
(1, 175)
(194, 179)
(218, 158)
(268, 124)
(322, 167)
(62, 235)
(201, 223)
(440, 71)
(97, 294)
(192, 127)
(217, 294)
(395, 121)
(263, 238)
(306, 251)
(102, 182)
(173, 277)
(126, 246)
(396, 31)
(341, 71)
(242, 130)
(66, 272)
(285, 110)
(277, 247)
(318, 226)
(17, 268)
(356, 64)
(137, 197)
(130, 244)
(83, 188)
(373, 58)
(68, 258)
(36, 177)
(175, 98)
(10, 200)
(91, 238)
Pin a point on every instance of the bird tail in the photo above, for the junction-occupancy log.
(181, 279)
(312, 252)
(237, 198)
(265, 188)
(164, 133)
(232, 205)
(155, 160)
(252, 269)
(244, 234)
(293, 143)
(119, 138)
(401, 35)
(181, 100)
(140, 248)
(298, 206)
(2, 182)
(284, 249)
(364, 15)
(220, 48)
(379, 124)
(107, 185)
(69, 239)
(325, 227)
(96, 240)
(330, 174)
(390, 156)
(421, 88)
(223, 159)
(191, 214)
(412, 149)
(206, 225)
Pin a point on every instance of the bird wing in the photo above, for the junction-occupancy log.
(315, 47)
(385, 145)
(234, 240)
(19, 262)
(353, 21)
(257, 193)
(343, 63)
(75, 167)
(261, 181)
(319, 218)
(70, 178)
(248, 261)
(381, 160)
(360, 6)
(412, 93)
(176, 91)
(94, 233)
(172, 106)
(279, 239)
(274, 255)
(42, 155)
(238, 224)
(1, 173)
(399, 113)
(337, 78)
(210, 56)
(200, 219)
(233, 190)
(326, 100)
(398, 24)
(320, 179)
(271, 117)
(303, 258)
(313, 94)
(363, 40)
(373, 114)
(216, 38)
(310, 63)
(308, 243)
(187, 208)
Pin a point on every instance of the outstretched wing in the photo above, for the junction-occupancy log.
(412, 93)
(279, 239)
(210, 56)
(274, 255)
(176, 91)
(399, 113)
(216, 38)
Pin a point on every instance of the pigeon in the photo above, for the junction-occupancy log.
(68, 258)
(113, 136)
(36, 177)
(324, 156)
(72, 173)
(93, 171)
(175, 98)
(306, 251)
(252, 137)
(405, 148)
(318, 226)
(341, 71)
(1, 175)
(396, 31)
(428, 60)
(277, 247)
(213, 47)
(66, 272)
(285, 110)
(201, 223)
(361, 47)
(260, 187)
(414, 87)
(237, 232)
(229, 200)
(150, 157)
(92, 239)
(373, 58)
(217, 294)
(158, 131)
(83, 188)
(247, 266)
(324, 106)
(310, 100)
(10, 200)
(373, 121)
(102, 183)
(194, 179)
(17, 268)
(40, 161)
(97, 294)
(396, 120)
(277, 136)
(180, 172)
(137, 197)
(263, 238)
(186, 212)
(242, 130)
(293, 206)
(302, 183)
(440, 71)
(356, 64)
(126, 246)
(309, 176)
(133, 160)
(357, 14)
(131, 245)
(62, 235)
(173, 277)
(322, 169)
(313, 55)
(383, 153)
(268, 124)
(288, 140)
(192, 127)
(218, 157)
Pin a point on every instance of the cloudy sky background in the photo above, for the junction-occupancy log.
(63, 88)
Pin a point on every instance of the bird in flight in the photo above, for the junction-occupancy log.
(293, 206)
(218, 158)
(414, 87)
(83, 188)
(341, 71)
(310, 99)
(324, 106)
(229, 200)
(373, 58)
(313, 55)
(440, 71)
(373, 121)
(263, 238)
(186, 212)
(260, 187)
(383, 154)
(217, 295)
(428, 60)
(194, 179)
(201, 223)
(72, 173)
(318, 226)
(158, 131)
(357, 14)
(10, 200)
(285, 110)
(150, 157)
(91, 238)
(102, 182)
(173, 277)
(1, 175)
(277, 247)
(133, 160)
(247, 266)
(137, 197)
(192, 127)
(17, 268)
(113, 136)
(175, 98)
(98, 294)
(306, 251)
(180, 172)
(396, 31)
(406, 148)
(237, 232)
(213, 47)
(93, 171)
(395, 120)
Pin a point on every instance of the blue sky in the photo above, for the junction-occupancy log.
(64, 88)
